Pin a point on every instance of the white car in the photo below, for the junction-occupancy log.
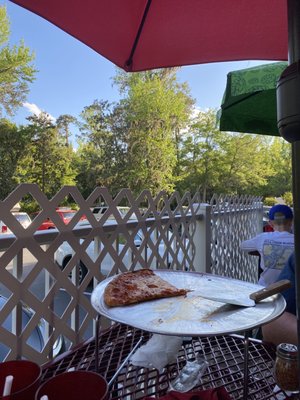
(37, 336)
(65, 252)
(99, 211)
(23, 219)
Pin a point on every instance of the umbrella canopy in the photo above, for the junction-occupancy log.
(144, 34)
(249, 100)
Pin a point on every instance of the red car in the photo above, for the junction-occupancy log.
(266, 226)
(65, 214)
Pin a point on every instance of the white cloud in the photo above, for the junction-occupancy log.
(35, 110)
(196, 110)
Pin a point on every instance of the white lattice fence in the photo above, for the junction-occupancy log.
(166, 226)
(234, 219)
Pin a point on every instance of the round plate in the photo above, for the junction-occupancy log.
(192, 315)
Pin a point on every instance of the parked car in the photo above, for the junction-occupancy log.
(266, 226)
(23, 219)
(99, 211)
(3, 228)
(65, 252)
(65, 213)
(36, 339)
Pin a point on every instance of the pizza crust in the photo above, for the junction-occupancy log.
(138, 286)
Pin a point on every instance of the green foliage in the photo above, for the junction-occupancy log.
(153, 138)
(100, 156)
(4, 26)
(63, 124)
(269, 201)
(134, 143)
(220, 162)
(157, 108)
(29, 206)
(12, 143)
(46, 160)
(244, 170)
(278, 159)
(288, 198)
(16, 69)
(200, 157)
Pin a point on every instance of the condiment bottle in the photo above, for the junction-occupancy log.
(286, 367)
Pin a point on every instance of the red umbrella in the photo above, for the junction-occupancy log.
(145, 34)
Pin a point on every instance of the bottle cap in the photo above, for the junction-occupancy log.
(287, 350)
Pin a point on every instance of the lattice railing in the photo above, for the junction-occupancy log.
(157, 232)
(161, 236)
(234, 219)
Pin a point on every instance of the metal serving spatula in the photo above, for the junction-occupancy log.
(237, 298)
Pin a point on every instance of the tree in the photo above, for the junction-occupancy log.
(156, 108)
(279, 157)
(134, 143)
(46, 161)
(100, 156)
(13, 140)
(288, 198)
(201, 155)
(245, 170)
(63, 123)
(16, 69)
(223, 162)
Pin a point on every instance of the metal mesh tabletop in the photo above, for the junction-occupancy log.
(223, 353)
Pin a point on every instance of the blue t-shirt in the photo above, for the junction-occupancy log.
(288, 272)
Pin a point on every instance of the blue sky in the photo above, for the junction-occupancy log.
(71, 75)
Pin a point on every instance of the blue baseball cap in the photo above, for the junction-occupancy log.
(280, 211)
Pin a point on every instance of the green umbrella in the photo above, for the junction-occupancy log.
(249, 101)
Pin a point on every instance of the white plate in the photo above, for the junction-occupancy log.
(192, 315)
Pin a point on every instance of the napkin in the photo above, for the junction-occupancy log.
(219, 393)
(159, 351)
(280, 395)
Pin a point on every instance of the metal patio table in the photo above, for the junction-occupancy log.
(195, 316)
(225, 354)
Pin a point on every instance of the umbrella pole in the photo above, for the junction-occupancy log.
(294, 55)
(296, 202)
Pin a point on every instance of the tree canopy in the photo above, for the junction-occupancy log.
(153, 138)
(16, 69)
(45, 159)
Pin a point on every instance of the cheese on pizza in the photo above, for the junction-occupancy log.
(138, 286)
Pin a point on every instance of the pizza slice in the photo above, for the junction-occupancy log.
(138, 286)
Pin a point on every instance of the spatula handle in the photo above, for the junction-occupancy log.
(274, 288)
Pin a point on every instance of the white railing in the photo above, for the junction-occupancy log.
(173, 232)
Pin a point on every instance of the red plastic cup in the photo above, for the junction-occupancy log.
(75, 385)
(26, 379)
